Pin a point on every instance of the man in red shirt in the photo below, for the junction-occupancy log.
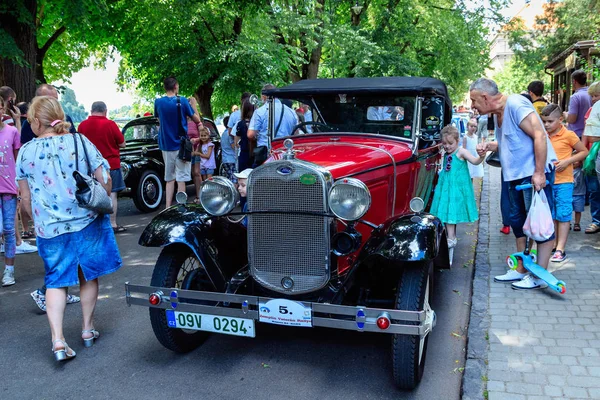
(107, 137)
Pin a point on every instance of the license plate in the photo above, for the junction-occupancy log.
(285, 312)
(211, 323)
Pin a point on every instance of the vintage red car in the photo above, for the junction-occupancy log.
(336, 232)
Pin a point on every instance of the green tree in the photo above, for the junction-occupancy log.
(562, 25)
(219, 48)
(47, 40)
(71, 106)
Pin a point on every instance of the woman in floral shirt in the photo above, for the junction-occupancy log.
(76, 244)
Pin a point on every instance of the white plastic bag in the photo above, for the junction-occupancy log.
(539, 225)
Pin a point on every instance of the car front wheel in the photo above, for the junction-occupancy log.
(409, 351)
(178, 267)
(149, 192)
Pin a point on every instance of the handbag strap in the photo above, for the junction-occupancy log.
(179, 117)
(87, 159)
(280, 119)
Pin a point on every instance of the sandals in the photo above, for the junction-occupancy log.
(89, 342)
(119, 229)
(559, 256)
(592, 228)
(27, 235)
(576, 227)
(66, 353)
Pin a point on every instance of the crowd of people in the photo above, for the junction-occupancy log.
(244, 143)
(534, 147)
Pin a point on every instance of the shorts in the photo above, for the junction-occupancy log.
(207, 171)
(520, 201)
(563, 202)
(196, 160)
(229, 171)
(64, 253)
(118, 184)
(176, 169)
(579, 203)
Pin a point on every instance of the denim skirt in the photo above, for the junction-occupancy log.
(93, 249)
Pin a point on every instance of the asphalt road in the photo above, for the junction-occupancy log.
(127, 362)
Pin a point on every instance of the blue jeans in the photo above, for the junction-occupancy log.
(8, 210)
(520, 201)
(594, 189)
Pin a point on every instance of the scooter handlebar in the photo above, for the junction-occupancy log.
(526, 186)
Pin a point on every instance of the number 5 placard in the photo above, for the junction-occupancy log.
(285, 312)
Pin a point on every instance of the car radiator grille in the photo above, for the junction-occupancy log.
(288, 244)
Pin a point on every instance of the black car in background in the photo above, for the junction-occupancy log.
(142, 162)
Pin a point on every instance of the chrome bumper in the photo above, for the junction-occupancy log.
(353, 318)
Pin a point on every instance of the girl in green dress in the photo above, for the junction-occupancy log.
(454, 200)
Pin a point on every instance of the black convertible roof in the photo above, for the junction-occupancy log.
(386, 85)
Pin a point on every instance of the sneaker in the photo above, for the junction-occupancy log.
(510, 276)
(529, 282)
(505, 229)
(40, 299)
(71, 299)
(559, 256)
(8, 278)
(26, 248)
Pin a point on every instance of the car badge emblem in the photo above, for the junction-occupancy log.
(287, 283)
(285, 170)
(308, 179)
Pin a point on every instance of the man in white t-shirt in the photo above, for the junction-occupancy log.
(527, 156)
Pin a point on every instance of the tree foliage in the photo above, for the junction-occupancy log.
(71, 106)
(48, 40)
(562, 25)
(220, 48)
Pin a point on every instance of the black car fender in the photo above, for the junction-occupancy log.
(219, 244)
(144, 163)
(414, 237)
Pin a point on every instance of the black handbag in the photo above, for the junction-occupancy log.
(493, 159)
(90, 194)
(185, 144)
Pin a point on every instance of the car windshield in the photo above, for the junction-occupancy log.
(147, 131)
(383, 115)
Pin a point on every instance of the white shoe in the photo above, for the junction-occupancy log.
(529, 282)
(26, 248)
(510, 276)
(8, 278)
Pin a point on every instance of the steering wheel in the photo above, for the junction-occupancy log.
(318, 124)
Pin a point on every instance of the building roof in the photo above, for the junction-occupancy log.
(581, 45)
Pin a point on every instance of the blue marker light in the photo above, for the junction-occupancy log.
(174, 299)
(360, 319)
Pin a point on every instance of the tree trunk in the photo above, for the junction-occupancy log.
(203, 95)
(311, 70)
(21, 78)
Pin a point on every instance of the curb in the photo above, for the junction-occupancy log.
(474, 381)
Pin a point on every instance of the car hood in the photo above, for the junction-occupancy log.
(135, 147)
(344, 156)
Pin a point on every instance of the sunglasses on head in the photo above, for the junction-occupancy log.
(448, 163)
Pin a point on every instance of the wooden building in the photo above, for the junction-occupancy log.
(582, 54)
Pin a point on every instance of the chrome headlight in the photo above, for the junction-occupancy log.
(349, 199)
(218, 195)
(125, 168)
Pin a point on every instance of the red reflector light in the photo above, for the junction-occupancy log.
(383, 322)
(154, 299)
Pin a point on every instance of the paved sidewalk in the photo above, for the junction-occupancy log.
(540, 344)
